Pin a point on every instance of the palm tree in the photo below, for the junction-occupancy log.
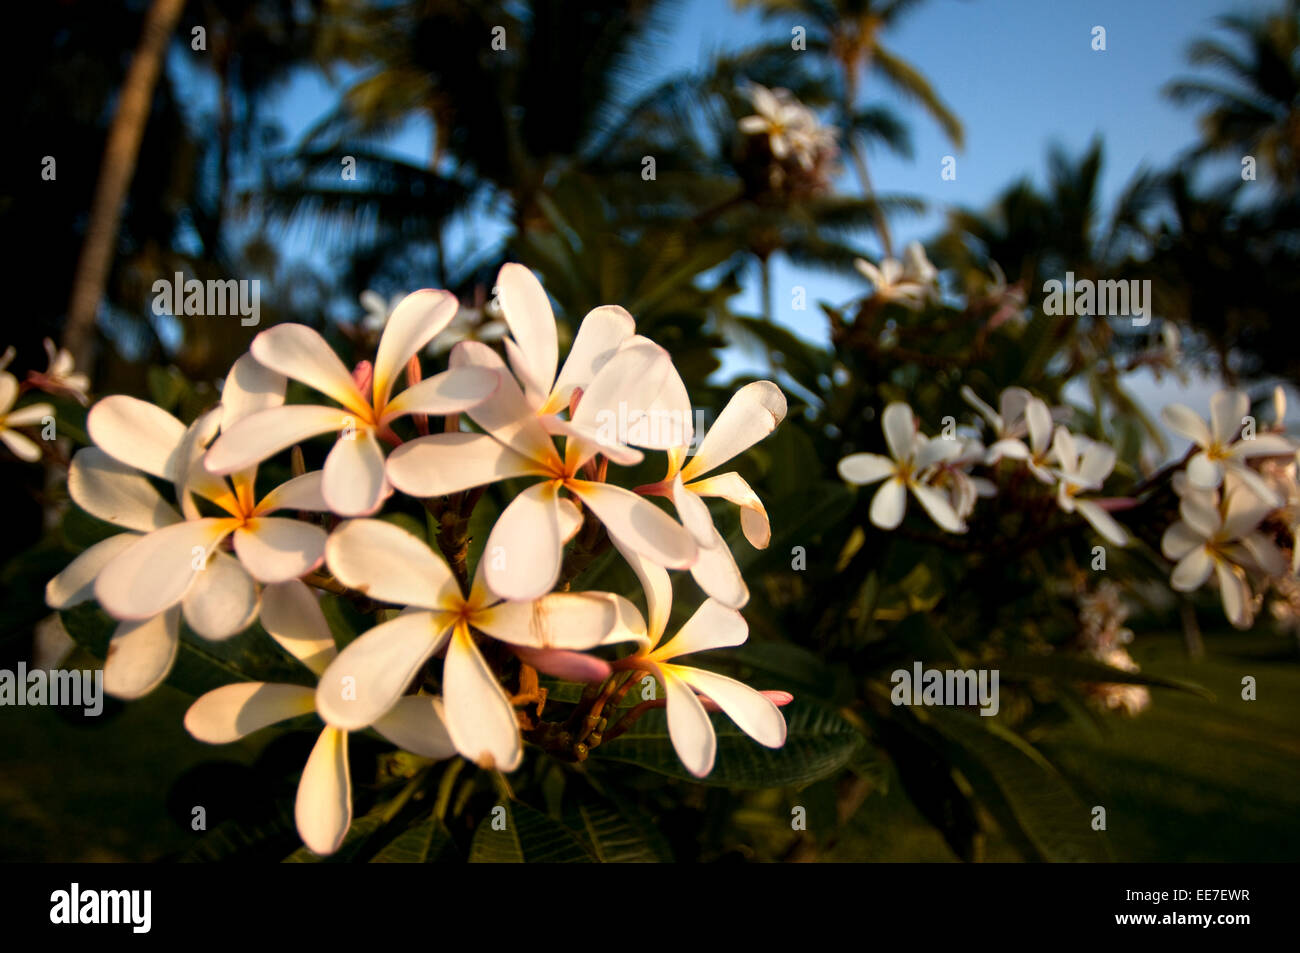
(849, 32)
(1255, 109)
(115, 174)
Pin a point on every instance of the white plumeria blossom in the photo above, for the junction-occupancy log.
(1087, 471)
(911, 454)
(62, 375)
(377, 309)
(1037, 455)
(354, 483)
(180, 563)
(890, 282)
(782, 119)
(1007, 422)
(752, 413)
(626, 376)
(323, 807)
(470, 324)
(370, 674)
(19, 444)
(712, 626)
(1220, 450)
(1221, 538)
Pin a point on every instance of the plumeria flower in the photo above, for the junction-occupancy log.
(918, 267)
(1221, 538)
(891, 282)
(1036, 420)
(525, 548)
(323, 808)
(377, 310)
(180, 563)
(1219, 449)
(752, 413)
(22, 447)
(354, 483)
(61, 377)
(1008, 421)
(1087, 471)
(134, 438)
(470, 324)
(954, 477)
(713, 626)
(370, 675)
(911, 454)
(777, 115)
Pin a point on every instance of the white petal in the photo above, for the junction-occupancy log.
(292, 616)
(416, 724)
(1039, 420)
(76, 583)
(274, 549)
(693, 513)
(323, 809)
(450, 392)
(222, 600)
(599, 336)
(716, 572)
(479, 716)
(752, 413)
(1201, 514)
(753, 712)
(866, 468)
(249, 387)
(940, 509)
(1102, 522)
(141, 654)
(414, 323)
(658, 591)
(889, 504)
(299, 352)
(899, 426)
(300, 493)
(267, 432)
(1204, 473)
(712, 626)
(137, 433)
(1234, 592)
(733, 488)
(1227, 408)
(561, 620)
(354, 483)
(638, 524)
(20, 446)
(116, 493)
(450, 462)
(528, 313)
(154, 572)
(525, 547)
(1179, 540)
(625, 400)
(389, 564)
(1262, 445)
(371, 673)
(1187, 422)
(689, 727)
(1097, 464)
(28, 415)
(1192, 570)
(506, 415)
(230, 712)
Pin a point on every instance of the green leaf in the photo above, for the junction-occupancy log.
(818, 743)
(1024, 792)
(428, 842)
(615, 837)
(1077, 668)
(529, 837)
(240, 840)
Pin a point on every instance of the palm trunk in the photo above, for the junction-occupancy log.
(115, 173)
(859, 156)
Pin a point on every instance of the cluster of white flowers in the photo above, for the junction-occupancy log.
(938, 470)
(804, 148)
(912, 282)
(1236, 482)
(262, 553)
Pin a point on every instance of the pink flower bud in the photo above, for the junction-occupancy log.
(571, 666)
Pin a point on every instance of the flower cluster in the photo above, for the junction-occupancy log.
(803, 150)
(226, 551)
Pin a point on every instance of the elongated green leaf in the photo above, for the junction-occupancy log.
(615, 837)
(428, 842)
(1075, 668)
(819, 742)
(246, 840)
(1023, 791)
(525, 836)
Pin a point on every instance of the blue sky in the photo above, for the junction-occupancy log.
(1021, 74)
